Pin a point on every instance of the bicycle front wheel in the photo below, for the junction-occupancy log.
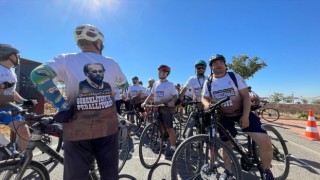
(150, 146)
(124, 150)
(35, 170)
(270, 114)
(280, 162)
(192, 160)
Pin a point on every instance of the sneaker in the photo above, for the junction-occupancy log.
(268, 175)
(169, 154)
(226, 175)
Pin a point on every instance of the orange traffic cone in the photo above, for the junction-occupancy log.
(311, 129)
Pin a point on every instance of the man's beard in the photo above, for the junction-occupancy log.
(97, 79)
(200, 74)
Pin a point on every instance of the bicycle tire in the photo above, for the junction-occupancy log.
(35, 170)
(134, 119)
(150, 146)
(270, 114)
(191, 123)
(124, 150)
(188, 162)
(280, 161)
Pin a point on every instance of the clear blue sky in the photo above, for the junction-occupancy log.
(142, 34)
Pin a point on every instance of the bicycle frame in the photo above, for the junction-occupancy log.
(35, 141)
(194, 112)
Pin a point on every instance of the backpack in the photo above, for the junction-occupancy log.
(232, 76)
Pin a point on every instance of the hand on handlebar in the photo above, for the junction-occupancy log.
(30, 102)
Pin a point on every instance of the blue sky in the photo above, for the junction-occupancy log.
(142, 34)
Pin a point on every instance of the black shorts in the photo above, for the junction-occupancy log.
(229, 124)
(165, 116)
(79, 155)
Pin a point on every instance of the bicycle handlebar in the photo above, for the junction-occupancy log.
(153, 105)
(189, 103)
(218, 104)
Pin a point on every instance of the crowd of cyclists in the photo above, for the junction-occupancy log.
(94, 99)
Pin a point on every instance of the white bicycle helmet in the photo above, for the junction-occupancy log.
(88, 32)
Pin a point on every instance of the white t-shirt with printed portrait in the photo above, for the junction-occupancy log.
(224, 87)
(163, 92)
(96, 115)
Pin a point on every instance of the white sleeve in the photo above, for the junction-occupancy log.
(241, 82)
(205, 90)
(188, 83)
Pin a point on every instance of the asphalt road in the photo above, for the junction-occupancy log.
(304, 159)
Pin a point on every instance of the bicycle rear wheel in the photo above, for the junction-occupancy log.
(192, 160)
(150, 146)
(280, 162)
(270, 114)
(35, 170)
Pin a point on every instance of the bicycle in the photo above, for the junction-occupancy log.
(205, 159)
(25, 167)
(267, 113)
(133, 115)
(52, 139)
(195, 120)
(152, 139)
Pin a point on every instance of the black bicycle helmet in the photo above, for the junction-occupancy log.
(164, 68)
(216, 57)
(7, 49)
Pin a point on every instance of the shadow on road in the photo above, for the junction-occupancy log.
(306, 164)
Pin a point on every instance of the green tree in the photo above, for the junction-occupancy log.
(246, 66)
(316, 101)
(276, 97)
(288, 99)
(304, 100)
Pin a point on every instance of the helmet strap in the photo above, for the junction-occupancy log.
(97, 48)
(14, 63)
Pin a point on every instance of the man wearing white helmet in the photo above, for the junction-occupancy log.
(89, 113)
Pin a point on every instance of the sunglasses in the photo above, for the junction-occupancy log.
(201, 67)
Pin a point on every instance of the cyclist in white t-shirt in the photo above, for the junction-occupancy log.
(9, 58)
(163, 92)
(136, 96)
(195, 83)
(148, 90)
(90, 129)
(238, 109)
